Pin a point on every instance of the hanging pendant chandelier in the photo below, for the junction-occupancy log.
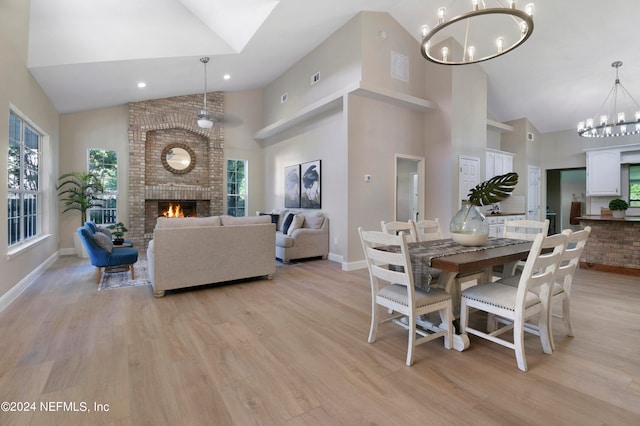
(484, 33)
(205, 119)
(610, 120)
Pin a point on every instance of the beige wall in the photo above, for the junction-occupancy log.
(18, 89)
(99, 129)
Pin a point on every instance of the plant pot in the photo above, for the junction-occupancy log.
(469, 227)
(118, 241)
(618, 214)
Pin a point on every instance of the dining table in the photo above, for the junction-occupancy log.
(454, 260)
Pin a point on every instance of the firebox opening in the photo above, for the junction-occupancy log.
(177, 208)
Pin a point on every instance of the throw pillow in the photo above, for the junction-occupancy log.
(105, 231)
(296, 223)
(103, 241)
(314, 220)
(287, 223)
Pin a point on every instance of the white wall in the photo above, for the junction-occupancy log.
(18, 88)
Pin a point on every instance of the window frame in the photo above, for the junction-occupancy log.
(233, 207)
(29, 223)
(634, 201)
(108, 213)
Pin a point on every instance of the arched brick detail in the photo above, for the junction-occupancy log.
(166, 117)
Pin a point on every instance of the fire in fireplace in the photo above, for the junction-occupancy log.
(177, 209)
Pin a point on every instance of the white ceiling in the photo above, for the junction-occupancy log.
(89, 55)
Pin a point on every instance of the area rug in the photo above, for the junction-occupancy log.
(118, 277)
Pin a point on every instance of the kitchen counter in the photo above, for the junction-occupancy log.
(610, 218)
(613, 245)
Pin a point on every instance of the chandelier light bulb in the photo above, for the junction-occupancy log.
(589, 123)
(603, 119)
(621, 117)
(445, 53)
(523, 27)
(471, 51)
(512, 4)
(500, 44)
(637, 115)
(474, 4)
(424, 30)
(623, 130)
(441, 13)
(580, 126)
(529, 9)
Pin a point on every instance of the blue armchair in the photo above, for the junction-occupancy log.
(103, 253)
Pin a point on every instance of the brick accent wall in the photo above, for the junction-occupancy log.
(614, 243)
(153, 124)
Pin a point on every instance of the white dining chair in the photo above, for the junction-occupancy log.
(426, 229)
(518, 304)
(396, 227)
(561, 290)
(392, 287)
(521, 229)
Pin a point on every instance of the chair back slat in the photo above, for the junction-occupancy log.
(542, 262)
(426, 230)
(390, 266)
(394, 228)
(525, 229)
(571, 256)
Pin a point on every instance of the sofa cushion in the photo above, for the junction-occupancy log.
(187, 222)
(244, 220)
(296, 223)
(313, 220)
(287, 223)
(103, 241)
(283, 240)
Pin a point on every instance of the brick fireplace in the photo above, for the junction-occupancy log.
(154, 125)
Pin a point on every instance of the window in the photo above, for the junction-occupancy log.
(236, 187)
(23, 184)
(104, 163)
(634, 185)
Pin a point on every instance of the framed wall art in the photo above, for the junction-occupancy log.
(292, 187)
(310, 185)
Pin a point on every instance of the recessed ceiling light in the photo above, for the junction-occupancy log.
(142, 84)
(226, 77)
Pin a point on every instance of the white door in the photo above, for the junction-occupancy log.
(469, 175)
(533, 193)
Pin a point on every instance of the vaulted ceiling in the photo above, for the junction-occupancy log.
(89, 55)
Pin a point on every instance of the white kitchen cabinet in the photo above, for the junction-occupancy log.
(603, 173)
(498, 163)
(496, 223)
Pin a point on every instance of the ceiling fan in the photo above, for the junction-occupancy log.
(205, 120)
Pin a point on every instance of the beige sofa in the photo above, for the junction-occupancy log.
(307, 236)
(187, 252)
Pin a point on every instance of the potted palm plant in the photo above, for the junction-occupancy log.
(469, 227)
(618, 208)
(80, 191)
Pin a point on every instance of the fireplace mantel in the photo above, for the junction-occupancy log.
(177, 192)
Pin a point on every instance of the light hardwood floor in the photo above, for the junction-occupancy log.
(294, 351)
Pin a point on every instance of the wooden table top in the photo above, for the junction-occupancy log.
(474, 261)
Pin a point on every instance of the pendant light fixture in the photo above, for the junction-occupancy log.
(205, 119)
(484, 32)
(610, 121)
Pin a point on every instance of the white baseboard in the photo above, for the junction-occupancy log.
(354, 266)
(67, 251)
(15, 291)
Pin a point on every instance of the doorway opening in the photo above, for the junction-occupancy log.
(409, 188)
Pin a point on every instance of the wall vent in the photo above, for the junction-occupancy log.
(284, 98)
(315, 78)
(530, 137)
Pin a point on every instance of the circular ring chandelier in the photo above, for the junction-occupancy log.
(618, 126)
(520, 23)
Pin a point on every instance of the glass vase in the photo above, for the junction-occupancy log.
(469, 227)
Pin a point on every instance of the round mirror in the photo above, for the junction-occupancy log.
(178, 158)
